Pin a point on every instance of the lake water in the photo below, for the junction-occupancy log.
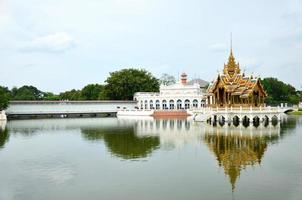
(146, 158)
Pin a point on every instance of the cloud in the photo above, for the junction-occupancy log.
(57, 42)
(218, 47)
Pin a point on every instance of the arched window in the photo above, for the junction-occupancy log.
(157, 104)
(179, 104)
(146, 104)
(151, 104)
(165, 104)
(187, 104)
(195, 103)
(142, 106)
(171, 104)
(202, 103)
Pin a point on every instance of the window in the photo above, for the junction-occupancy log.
(157, 104)
(179, 104)
(165, 104)
(187, 104)
(171, 104)
(195, 103)
(151, 104)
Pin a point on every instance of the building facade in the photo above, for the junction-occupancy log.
(179, 96)
(232, 88)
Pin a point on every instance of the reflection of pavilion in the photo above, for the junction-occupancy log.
(252, 131)
(239, 147)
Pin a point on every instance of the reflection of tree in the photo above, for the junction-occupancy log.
(287, 126)
(123, 142)
(4, 137)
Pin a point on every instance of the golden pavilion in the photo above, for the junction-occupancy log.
(233, 88)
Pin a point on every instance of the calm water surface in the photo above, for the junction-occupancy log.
(110, 158)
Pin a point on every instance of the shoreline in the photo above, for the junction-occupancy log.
(295, 112)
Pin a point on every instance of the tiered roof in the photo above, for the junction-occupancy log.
(234, 82)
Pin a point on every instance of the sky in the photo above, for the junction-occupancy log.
(57, 45)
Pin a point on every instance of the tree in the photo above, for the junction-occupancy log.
(26, 93)
(72, 95)
(49, 96)
(167, 79)
(4, 97)
(92, 92)
(121, 85)
(280, 92)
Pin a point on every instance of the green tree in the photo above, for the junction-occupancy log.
(72, 95)
(49, 96)
(280, 92)
(26, 93)
(4, 97)
(121, 85)
(167, 79)
(92, 92)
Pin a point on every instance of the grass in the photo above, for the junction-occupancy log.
(299, 112)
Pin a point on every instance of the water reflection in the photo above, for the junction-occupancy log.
(2, 125)
(123, 142)
(237, 148)
(236, 152)
(51, 155)
(4, 136)
(172, 133)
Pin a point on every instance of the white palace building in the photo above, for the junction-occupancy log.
(179, 96)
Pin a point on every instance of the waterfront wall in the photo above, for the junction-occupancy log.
(18, 108)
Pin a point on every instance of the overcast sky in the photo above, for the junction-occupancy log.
(58, 45)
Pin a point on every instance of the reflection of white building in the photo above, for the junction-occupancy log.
(177, 133)
(2, 125)
(181, 95)
(172, 133)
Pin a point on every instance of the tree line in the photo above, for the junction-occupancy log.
(280, 92)
(122, 84)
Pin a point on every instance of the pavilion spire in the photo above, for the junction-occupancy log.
(231, 67)
(231, 43)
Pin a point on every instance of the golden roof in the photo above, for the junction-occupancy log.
(234, 82)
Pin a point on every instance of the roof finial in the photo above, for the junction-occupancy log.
(231, 44)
